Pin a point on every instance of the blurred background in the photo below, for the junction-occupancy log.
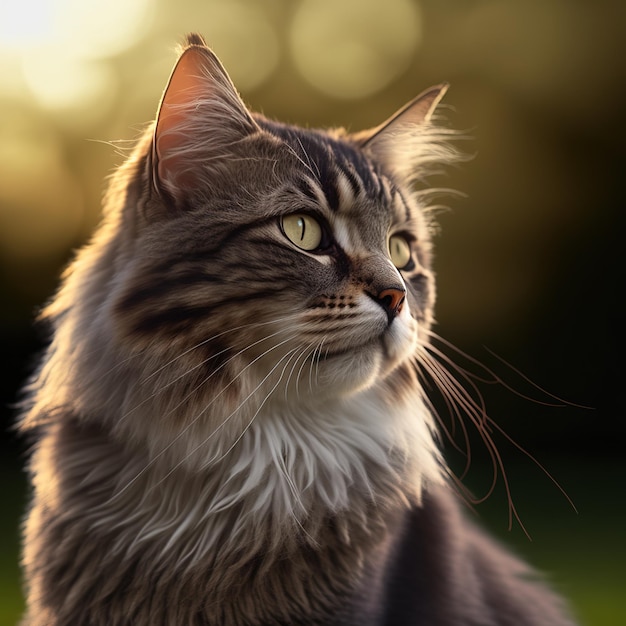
(529, 257)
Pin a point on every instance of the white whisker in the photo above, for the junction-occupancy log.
(203, 362)
(213, 338)
(199, 415)
(317, 363)
(233, 413)
(262, 403)
(461, 401)
(303, 353)
(311, 355)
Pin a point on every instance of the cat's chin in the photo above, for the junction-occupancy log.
(350, 371)
(354, 370)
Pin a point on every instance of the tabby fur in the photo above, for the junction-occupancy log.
(229, 429)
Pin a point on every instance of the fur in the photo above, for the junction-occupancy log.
(229, 428)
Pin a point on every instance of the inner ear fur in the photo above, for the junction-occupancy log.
(199, 117)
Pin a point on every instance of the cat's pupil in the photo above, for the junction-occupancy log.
(302, 226)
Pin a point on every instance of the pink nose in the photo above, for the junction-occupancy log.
(392, 300)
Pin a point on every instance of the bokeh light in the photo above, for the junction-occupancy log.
(63, 46)
(24, 23)
(345, 49)
(58, 57)
(239, 31)
(41, 203)
(99, 28)
(70, 85)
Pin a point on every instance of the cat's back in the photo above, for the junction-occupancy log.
(441, 570)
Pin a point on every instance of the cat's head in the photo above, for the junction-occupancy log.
(266, 244)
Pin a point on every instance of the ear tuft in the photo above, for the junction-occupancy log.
(407, 143)
(200, 118)
(195, 39)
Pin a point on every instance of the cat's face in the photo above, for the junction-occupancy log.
(296, 260)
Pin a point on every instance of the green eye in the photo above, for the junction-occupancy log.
(399, 251)
(303, 230)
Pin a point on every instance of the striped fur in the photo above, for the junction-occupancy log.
(229, 429)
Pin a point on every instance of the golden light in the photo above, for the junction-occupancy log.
(60, 45)
(25, 23)
(41, 204)
(56, 61)
(240, 32)
(346, 49)
(99, 27)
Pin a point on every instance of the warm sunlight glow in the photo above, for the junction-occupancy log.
(239, 31)
(353, 48)
(60, 45)
(24, 23)
(41, 203)
(95, 28)
(56, 59)
(69, 83)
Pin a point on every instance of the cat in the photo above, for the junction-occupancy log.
(228, 426)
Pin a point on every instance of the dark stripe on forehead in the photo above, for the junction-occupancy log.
(328, 183)
(324, 157)
(353, 164)
(304, 185)
(315, 152)
(315, 155)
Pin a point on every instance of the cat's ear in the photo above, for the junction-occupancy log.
(201, 116)
(407, 138)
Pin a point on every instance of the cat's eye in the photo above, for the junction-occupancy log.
(400, 251)
(303, 230)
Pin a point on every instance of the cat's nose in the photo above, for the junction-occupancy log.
(392, 301)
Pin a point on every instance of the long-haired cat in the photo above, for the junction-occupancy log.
(228, 425)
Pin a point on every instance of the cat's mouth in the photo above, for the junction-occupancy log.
(328, 355)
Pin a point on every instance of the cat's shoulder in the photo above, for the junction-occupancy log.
(444, 570)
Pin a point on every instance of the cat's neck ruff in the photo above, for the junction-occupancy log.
(292, 470)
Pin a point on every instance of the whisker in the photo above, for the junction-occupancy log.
(478, 416)
(465, 376)
(139, 353)
(234, 412)
(454, 393)
(453, 410)
(494, 379)
(535, 385)
(317, 363)
(304, 362)
(278, 459)
(191, 369)
(265, 399)
(457, 399)
(212, 338)
(534, 460)
(199, 415)
(303, 352)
